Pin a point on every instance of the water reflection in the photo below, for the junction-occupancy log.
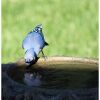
(32, 79)
(57, 76)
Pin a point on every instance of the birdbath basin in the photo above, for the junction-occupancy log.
(62, 78)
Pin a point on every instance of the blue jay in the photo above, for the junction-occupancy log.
(33, 44)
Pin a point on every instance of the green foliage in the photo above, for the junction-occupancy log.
(69, 26)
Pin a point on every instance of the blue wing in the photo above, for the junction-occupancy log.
(34, 40)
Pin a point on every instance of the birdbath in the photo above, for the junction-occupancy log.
(62, 78)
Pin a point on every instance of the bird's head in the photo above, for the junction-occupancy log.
(38, 28)
(30, 56)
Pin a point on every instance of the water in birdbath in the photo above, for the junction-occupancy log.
(69, 76)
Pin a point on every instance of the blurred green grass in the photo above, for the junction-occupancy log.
(69, 26)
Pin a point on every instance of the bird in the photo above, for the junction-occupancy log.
(33, 44)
